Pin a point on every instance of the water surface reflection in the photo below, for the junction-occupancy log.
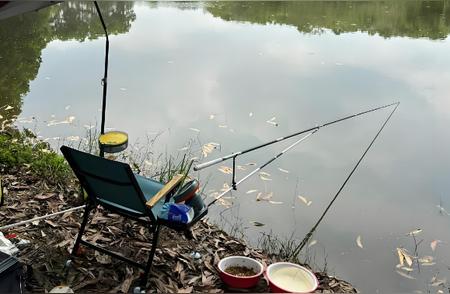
(304, 63)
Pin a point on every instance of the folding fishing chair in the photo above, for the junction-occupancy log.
(114, 186)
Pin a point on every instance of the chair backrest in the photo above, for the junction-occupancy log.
(107, 182)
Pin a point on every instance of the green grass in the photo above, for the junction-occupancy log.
(21, 150)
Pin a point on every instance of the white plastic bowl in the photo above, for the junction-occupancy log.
(286, 277)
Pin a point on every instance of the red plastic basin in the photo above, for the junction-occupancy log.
(236, 281)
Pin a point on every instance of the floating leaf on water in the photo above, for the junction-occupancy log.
(265, 178)
(415, 232)
(240, 167)
(258, 197)
(426, 259)
(67, 107)
(428, 263)
(275, 202)
(224, 202)
(223, 126)
(304, 200)
(264, 174)
(268, 196)
(123, 89)
(250, 114)
(208, 148)
(312, 243)
(408, 259)
(184, 148)
(408, 269)
(272, 121)
(250, 163)
(195, 130)
(257, 224)
(405, 275)
(434, 243)
(212, 116)
(225, 169)
(435, 282)
(358, 242)
(251, 191)
(283, 170)
(401, 258)
(225, 187)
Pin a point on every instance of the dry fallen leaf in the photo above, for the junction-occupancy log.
(44, 196)
(408, 258)
(264, 178)
(426, 259)
(408, 269)
(304, 200)
(226, 169)
(312, 243)
(401, 258)
(415, 232)
(358, 242)
(434, 243)
(257, 224)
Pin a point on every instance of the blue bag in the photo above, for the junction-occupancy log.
(175, 212)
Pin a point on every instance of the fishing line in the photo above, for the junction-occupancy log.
(309, 234)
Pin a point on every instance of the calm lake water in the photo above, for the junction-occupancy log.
(196, 73)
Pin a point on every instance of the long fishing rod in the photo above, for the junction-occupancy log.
(261, 167)
(235, 154)
(308, 236)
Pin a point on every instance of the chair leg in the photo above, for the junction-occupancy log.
(150, 257)
(81, 231)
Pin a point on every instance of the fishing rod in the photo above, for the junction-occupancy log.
(310, 132)
(261, 167)
(235, 154)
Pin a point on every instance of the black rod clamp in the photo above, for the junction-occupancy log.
(233, 181)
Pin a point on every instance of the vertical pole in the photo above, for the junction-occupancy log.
(233, 181)
(105, 76)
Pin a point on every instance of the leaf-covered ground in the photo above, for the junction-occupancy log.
(174, 270)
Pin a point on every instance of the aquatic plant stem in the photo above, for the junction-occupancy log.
(310, 233)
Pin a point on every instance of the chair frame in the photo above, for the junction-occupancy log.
(152, 224)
